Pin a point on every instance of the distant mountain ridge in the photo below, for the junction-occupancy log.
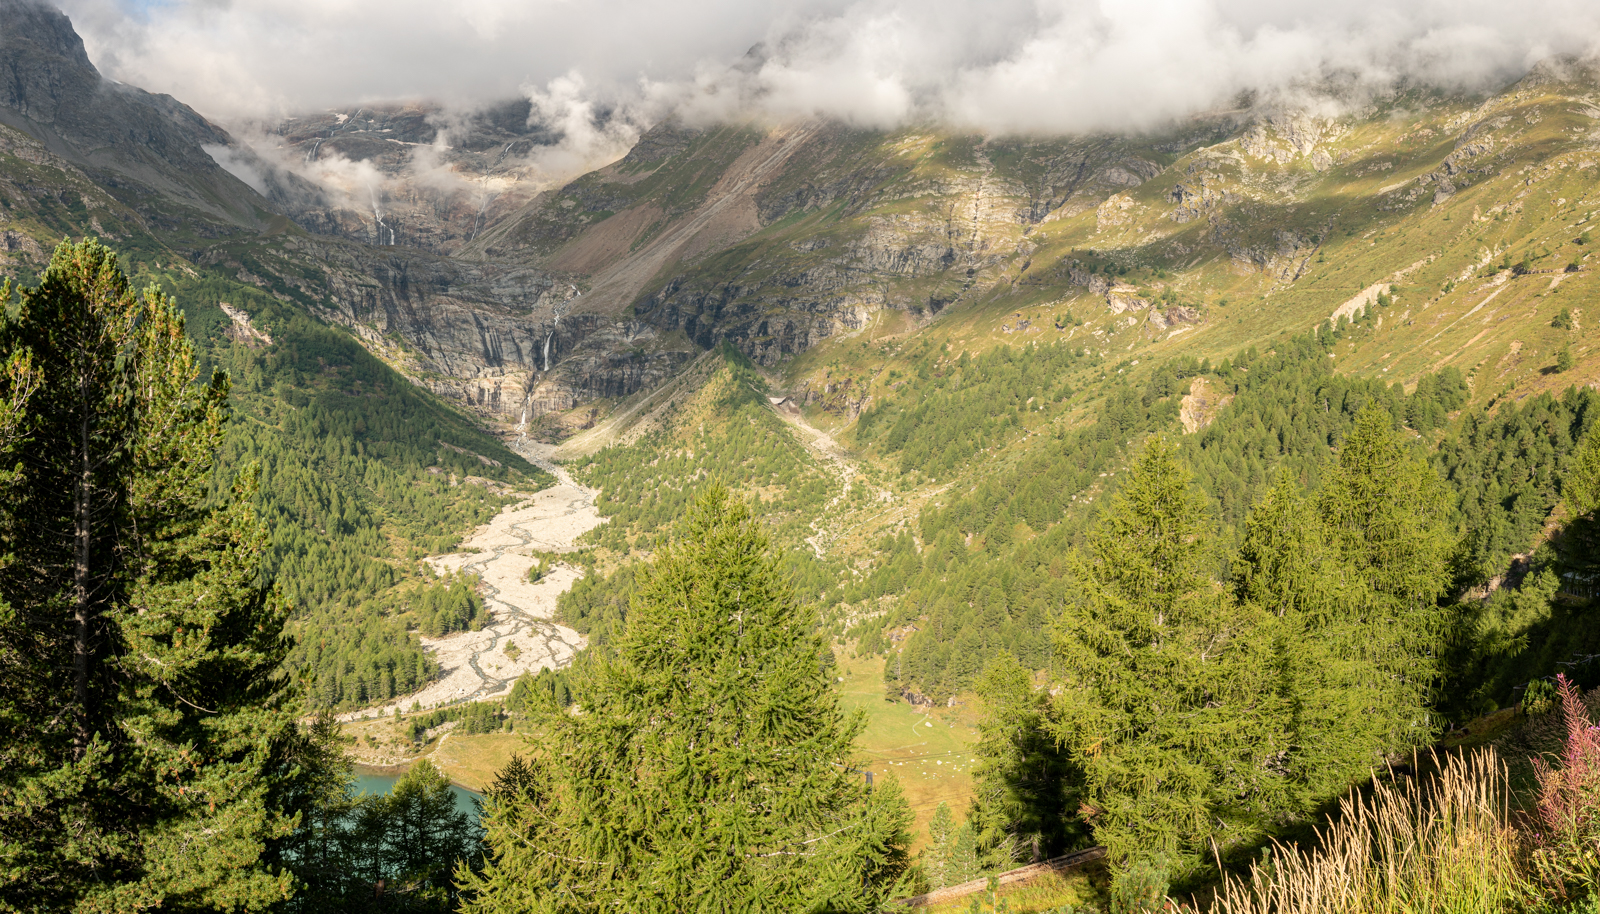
(1214, 234)
(778, 239)
(141, 147)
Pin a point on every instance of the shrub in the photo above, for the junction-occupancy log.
(541, 567)
(1539, 698)
(1566, 830)
(1142, 889)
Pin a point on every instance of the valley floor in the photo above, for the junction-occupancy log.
(475, 665)
(928, 750)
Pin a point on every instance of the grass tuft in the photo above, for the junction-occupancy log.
(1422, 845)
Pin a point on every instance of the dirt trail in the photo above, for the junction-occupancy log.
(836, 459)
(474, 665)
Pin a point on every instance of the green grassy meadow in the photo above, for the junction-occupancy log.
(929, 751)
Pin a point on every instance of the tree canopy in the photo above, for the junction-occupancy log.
(708, 766)
(143, 725)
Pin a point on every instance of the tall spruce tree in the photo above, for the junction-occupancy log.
(708, 766)
(141, 722)
(1165, 697)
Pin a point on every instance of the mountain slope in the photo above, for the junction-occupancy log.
(981, 326)
(362, 472)
(778, 239)
(145, 149)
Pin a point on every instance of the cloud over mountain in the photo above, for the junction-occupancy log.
(1010, 65)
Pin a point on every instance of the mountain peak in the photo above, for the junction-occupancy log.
(51, 91)
(46, 68)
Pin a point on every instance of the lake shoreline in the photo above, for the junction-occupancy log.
(399, 771)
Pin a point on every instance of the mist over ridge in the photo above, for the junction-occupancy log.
(1030, 66)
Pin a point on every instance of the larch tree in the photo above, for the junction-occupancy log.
(1385, 513)
(1581, 487)
(1321, 666)
(1164, 694)
(411, 840)
(1027, 789)
(142, 723)
(708, 766)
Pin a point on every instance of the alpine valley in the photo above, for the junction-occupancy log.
(965, 383)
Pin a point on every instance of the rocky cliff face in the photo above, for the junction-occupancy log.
(520, 302)
(503, 340)
(411, 175)
(147, 150)
(779, 240)
(810, 231)
(135, 168)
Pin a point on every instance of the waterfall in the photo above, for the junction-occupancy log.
(377, 214)
(558, 310)
(485, 197)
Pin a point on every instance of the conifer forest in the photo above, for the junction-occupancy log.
(887, 467)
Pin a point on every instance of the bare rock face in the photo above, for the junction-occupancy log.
(505, 341)
(1201, 405)
(411, 175)
(612, 362)
(138, 146)
(914, 241)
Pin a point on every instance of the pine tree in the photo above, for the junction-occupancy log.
(413, 839)
(1325, 673)
(709, 767)
(1581, 487)
(936, 857)
(1165, 698)
(142, 726)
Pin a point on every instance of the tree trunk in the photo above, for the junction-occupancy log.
(83, 614)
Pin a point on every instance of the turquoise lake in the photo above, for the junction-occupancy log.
(466, 800)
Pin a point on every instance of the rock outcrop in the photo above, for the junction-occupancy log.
(147, 150)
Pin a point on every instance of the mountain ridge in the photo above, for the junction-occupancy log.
(1417, 232)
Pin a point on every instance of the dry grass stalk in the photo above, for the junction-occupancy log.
(1440, 844)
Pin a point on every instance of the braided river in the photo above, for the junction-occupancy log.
(474, 666)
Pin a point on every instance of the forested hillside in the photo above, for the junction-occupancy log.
(715, 426)
(362, 472)
(362, 475)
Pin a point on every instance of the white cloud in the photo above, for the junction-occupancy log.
(1027, 65)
